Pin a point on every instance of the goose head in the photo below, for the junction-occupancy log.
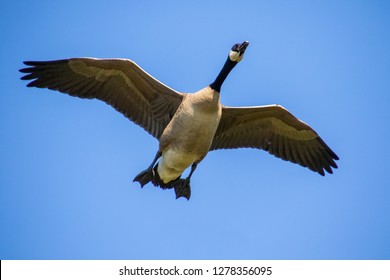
(237, 52)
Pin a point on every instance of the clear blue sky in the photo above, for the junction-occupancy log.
(67, 164)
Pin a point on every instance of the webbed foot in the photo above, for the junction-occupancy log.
(144, 177)
(148, 174)
(182, 188)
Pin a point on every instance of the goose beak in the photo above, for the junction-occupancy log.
(243, 46)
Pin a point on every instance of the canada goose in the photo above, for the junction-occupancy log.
(187, 126)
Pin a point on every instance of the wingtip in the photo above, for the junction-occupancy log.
(25, 77)
(30, 63)
(25, 70)
(321, 172)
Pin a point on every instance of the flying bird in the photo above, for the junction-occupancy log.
(187, 126)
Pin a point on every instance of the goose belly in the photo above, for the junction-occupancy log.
(188, 136)
(173, 163)
(189, 144)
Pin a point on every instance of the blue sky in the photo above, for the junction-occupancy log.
(67, 164)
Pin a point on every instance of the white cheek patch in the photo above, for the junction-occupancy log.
(235, 56)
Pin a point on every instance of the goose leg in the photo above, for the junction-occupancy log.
(182, 186)
(147, 175)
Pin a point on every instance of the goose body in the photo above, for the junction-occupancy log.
(187, 126)
(180, 144)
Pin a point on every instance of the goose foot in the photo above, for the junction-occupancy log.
(148, 175)
(144, 177)
(182, 188)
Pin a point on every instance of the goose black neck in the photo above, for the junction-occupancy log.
(227, 67)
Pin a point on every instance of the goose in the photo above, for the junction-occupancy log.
(187, 126)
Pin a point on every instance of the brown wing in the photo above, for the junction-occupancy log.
(272, 128)
(119, 82)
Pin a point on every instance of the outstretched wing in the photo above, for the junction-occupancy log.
(274, 129)
(119, 82)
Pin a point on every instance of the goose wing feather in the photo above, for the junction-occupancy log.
(120, 83)
(274, 129)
